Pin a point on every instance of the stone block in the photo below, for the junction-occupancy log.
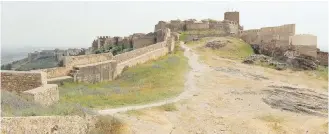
(45, 95)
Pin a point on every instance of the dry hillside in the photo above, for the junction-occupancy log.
(228, 97)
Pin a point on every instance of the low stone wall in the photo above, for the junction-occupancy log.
(141, 59)
(56, 71)
(45, 95)
(93, 73)
(44, 125)
(22, 80)
(137, 52)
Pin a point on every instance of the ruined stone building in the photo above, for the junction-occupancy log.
(230, 24)
(284, 37)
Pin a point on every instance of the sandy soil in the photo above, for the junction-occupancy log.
(228, 97)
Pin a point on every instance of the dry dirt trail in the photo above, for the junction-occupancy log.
(190, 87)
(228, 97)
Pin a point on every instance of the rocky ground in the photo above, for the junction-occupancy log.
(230, 97)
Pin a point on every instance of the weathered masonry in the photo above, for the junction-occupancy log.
(95, 68)
(31, 85)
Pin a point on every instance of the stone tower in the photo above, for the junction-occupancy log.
(232, 16)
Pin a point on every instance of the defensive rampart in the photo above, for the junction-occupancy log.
(70, 61)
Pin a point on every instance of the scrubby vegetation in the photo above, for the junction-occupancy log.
(6, 67)
(322, 72)
(41, 63)
(154, 80)
(114, 49)
(108, 125)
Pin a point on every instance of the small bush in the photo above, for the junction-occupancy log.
(169, 107)
(108, 125)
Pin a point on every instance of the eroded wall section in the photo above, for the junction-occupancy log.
(20, 81)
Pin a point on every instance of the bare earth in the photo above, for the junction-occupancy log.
(228, 97)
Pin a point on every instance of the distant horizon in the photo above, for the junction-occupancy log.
(53, 25)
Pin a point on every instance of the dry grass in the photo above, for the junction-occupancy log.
(274, 122)
(108, 125)
(144, 83)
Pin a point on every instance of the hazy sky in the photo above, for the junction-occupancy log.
(76, 24)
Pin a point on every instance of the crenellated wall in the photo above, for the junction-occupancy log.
(232, 16)
(226, 26)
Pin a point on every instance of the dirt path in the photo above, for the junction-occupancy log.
(190, 87)
(227, 97)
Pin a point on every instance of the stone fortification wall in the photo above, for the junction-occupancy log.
(280, 34)
(70, 61)
(303, 39)
(228, 26)
(251, 36)
(197, 26)
(149, 55)
(19, 81)
(56, 72)
(143, 41)
(137, 52)
(306, 50)
(232, 16)
(144, 54)
(93, 73)
(323, 58)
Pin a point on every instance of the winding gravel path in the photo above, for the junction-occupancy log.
(190, 87)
